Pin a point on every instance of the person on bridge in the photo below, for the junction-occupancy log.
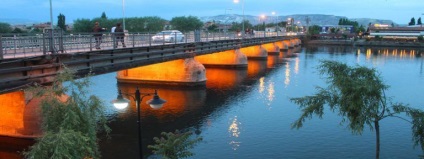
(119, 33)
(97, 34)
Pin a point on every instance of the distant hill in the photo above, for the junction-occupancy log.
(315, 19)
(18, 21)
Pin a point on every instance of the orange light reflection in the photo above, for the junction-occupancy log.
(179, 101)
(224, 78)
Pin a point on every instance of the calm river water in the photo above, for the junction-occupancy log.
(246, 114)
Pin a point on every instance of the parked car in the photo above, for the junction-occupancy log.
(168, 36)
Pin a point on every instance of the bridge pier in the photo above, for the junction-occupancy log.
(291, 44)
(283, 46)
(255, 52)
(182, 72)
(19, 116)
(271, 48)
(224, 59)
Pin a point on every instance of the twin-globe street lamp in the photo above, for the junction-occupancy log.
(155, 103)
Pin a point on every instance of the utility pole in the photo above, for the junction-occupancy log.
(307, 23)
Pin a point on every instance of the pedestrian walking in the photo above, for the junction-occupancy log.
(97, 34)
(119, 33)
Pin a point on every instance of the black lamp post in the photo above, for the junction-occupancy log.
(155, 103)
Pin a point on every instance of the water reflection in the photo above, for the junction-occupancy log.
(183, 106)
(219, 78)
(256, 68)
(272, 61)
(392, 52)
(235, 130)
(287, 75)
(178, 100)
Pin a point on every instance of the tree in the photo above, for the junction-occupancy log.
(314, 30)
(212, 28)
(83, 25)
(70, 122)
(145, 24)
(5, 28)
(419, 21)
(186, 24)
(103, 16)
(360, 29)
(174, 145)
(18, 31)
(61, 22)
(239, 26)
(333, 30)
(412, 22)
(358, 95)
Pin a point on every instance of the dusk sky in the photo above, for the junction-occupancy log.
(400, 11)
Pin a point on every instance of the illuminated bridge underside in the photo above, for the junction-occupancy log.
(283, 45)
(230, 58)
(186, 72)
(255, 52)
(271, 48)
(19, 118)
(191, 71)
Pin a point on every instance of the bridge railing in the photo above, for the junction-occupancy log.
(20, 46)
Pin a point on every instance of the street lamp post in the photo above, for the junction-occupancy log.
(155, 103)
(288, 24)
(263, 23)
(242, 25)
(123, 14)
(225, 25)
(275, 19)
(51, 15)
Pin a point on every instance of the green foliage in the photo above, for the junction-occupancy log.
(345, 21)
(18, 30)
(136, 24)
(185, 24)
(239, 26)
(103, 16)
(174, 145)
(61, 22)
(83, 25)
(360, 29)
(412, 22)
(212, 28)
(356, 27)
(419, 21)
(70, 123)
(420, 38)
(36, 30)
(357, 94)
(333, 30)
(5, 28)
(145, 24)
(314, 30)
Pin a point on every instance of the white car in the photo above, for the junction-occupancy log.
(168, 36)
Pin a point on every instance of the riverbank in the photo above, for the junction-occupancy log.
(418, 45)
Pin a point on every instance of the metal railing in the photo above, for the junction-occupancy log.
(26, 45)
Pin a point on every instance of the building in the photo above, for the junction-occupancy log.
(343, 29)
(396, 31)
